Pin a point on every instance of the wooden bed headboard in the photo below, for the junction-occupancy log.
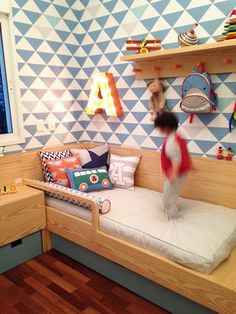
(214, 180)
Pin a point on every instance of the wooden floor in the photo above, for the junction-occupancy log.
(54, 283)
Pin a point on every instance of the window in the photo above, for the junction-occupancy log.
(11, 124)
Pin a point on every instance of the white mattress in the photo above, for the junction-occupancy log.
(201, 239)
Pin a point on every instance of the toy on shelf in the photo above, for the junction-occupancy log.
(230, 153)
(8, 189)
(188, 38)
(232, 120)
(220, 153)
(229, 31)
(143, 45)
(157, 100)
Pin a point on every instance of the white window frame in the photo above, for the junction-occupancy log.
(9, 49)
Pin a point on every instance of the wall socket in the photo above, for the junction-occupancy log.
(40, 125)
(51, 125)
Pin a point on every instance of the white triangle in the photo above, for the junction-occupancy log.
(51, 11)
(213, 150)
(103, 37)
(47, 72)
(36, 59)
(49, 96)
(65, 74)
(55, 61)
(130, 142)
(33, 143)
(43, 22)
(156, 132)
(213, 13)
(120, 33)
(52, 117)
(170, 37)
(44, 47)
(73, 63)
(52, 35)
(148, 143)
(60, 129)
(68, 118)
(194, 148)
(13, 148)
(149, 12)
(219, 121)
(139, 107)
(147, 119)
(21, 16)
(85, 137)
(95, 51)
(98, 138)
(38, 84)
(171, 94)
(57, 84)
(224, 91)
(122, 130)
(191, 130)
(130, 119)
(31, 120)
(102, 11)
(205, 134)
(119, 7)
(111, 22)
(86, 16)
(139, 131)
(111, 48)
(230, 137)
(71, 40)
(40, 107)
(53, 142)
(30, 6)
(114, 140)
(195, 3)
(91, 127)
(231, 78)
(173, 7)
(129, 95)
(138, 28)
(29, 96)
(66, 96)
(61, 26)
(77, 127)
(187, 18)
(70, 15)
(69, 139)
(160, 25)
(63, 50)
(103, 61)
(26, 70)
(24, 44)
(94, 26)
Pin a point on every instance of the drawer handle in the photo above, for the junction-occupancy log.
(16, 243)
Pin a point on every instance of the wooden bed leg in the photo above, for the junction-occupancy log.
(46, 240)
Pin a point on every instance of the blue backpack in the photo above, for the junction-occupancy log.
(198, 95)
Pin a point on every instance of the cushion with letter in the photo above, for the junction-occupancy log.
(122, 169)
(58, 168)
(93, 157)
(86, 180)
(51, 156)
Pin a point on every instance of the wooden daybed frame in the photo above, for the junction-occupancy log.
(213, 182)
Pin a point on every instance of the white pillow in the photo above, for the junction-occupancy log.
(122, 169)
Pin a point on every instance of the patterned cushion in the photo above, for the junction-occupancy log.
(58, 168)
(122, 170)
(51, 156)
(86, 180)
(93, 157)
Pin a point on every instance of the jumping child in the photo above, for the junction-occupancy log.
(175, 162)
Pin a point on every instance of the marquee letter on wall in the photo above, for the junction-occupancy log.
(104, 96)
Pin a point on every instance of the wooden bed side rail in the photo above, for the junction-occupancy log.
(88, 201)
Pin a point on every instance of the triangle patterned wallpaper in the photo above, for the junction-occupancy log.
(62, 43)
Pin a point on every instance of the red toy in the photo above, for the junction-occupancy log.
(232, 120)
(143, 46)
(220, 153)
(230, 153)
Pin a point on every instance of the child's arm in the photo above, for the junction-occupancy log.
(173, 152)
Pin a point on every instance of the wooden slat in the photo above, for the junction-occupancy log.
(10, 169)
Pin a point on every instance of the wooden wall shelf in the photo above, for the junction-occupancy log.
(218, 57)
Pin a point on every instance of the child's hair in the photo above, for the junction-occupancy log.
(166, 120)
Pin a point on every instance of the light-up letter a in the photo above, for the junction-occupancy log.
(104, 96)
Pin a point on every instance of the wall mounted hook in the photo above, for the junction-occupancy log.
(226, 60)
(136, 70)
(176, 66)
(156, 68)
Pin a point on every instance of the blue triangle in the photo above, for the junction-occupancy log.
(120, 68)
(31, 129)
(66, 81)
(94, 35)
(207, 118)
(223, 76)
(139, 115)
(74, 93)
(160, 6)
(96, 58)
(129, 79)
(25, 54)
(70, 2)
(79, 37)
(113, 125)
(228, 144)
(78, 14)
(219, 133)
(211, 26)
(158, 141)
(139, 138)
(104, 68)
(18, 39)
(139, 91)
(41, 115)
(73, 71)
(63, 34)
(32, 16)
(198, 12)
(59, 115)
(69, 125)
(122, 137)
(86, 24)
(183, 28)
(87, 48)
(184, 3)
(110, 31)
(54, 45)
(84, 2)
(85, 124)
(205, 145)
(122, 92)
(36, 68)
(119, 16)
(231, 86)
(56, 69)
(149, 23)
(43, 138)
(23, 27)
(103, 45)
(34, 42)
(120, 43)
(42, 5)
(88, 71)
(21, 3)
(170, 46)
(178, 89)
(172, 18)
(72, 48)
(112, 56)
(130, 103)
(106, 135)
(61, 9)
(91, 134)
(226, 9)
(48, 80)
(15, 11)
(182, 117)
(45, 56)
(102, 20)
(80, 60)
(109, 5)
(148, 128)
(161, 34)
(77, 114)
(171, 103)
(27, 80)
(130, 126)
(64, 58)
(70, 24)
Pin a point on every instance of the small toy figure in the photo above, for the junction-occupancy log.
(143, 45)
(229, 31)
(157, 100)
(188, 38)
(220, 153)
(232, 120)
(1, 151)
(230, 153)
